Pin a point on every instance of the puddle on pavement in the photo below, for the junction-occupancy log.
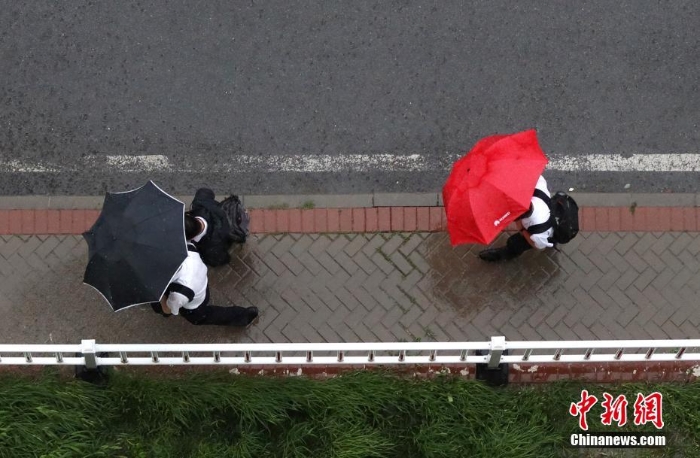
(54, 305)
(468, 284)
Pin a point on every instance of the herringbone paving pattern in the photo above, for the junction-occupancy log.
(378, 287)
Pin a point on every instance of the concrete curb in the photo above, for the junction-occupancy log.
(355, 201)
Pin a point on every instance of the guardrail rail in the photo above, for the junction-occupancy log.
(492, 353)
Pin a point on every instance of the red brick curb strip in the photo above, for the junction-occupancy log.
(600, 373)
(671, 371)
(364, 219)
(597, 373)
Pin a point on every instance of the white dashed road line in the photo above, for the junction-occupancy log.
(689, 162)
(631, 163)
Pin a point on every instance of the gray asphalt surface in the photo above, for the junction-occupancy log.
(224, 78)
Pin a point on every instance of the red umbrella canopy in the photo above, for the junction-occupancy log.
(491, 186)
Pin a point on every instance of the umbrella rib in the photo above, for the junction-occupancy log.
(490, 184)
(155, 215)
(154, 247)
(151, 248)
(140, 244)
(136, 270)
(505, 190)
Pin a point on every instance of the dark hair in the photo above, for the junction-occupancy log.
(192, 227)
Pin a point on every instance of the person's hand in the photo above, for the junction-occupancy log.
(164, 305)
(542, 241)
(526, 234)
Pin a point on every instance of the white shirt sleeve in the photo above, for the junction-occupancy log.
(542, 185)
(205, 225)
(541, 240)
(176, 301)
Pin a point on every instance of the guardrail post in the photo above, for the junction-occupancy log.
(498, 345)
(493, 371)
(91, 373)
(88, 350)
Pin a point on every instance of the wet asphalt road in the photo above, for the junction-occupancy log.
(226, 78)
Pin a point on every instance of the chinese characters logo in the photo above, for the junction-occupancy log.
(647, 409)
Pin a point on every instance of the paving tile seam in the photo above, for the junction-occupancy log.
(363, 220)
(355, 287)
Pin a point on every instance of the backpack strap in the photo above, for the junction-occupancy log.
(539, 228)
(542, 227)
(541, 195)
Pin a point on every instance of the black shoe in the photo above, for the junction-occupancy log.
(253, 315)
(494, 254)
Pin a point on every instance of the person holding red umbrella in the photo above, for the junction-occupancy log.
(534, 230)
(492, 186)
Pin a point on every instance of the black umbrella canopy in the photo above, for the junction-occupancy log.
(135, 246)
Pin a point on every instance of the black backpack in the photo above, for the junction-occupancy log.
(563, 216)
(238, 218)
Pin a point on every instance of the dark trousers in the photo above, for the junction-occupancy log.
(516, 245)
(211, 314)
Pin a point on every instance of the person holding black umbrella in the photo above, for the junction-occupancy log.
(188, 295)
(138, 254)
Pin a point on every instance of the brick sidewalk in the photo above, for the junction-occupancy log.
(371, 274)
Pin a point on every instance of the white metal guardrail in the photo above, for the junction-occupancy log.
(494, 352)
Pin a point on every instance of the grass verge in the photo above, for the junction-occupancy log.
(357, 415)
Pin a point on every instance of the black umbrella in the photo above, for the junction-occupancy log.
(135, 246)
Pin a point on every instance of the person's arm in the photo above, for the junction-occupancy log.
(175, 302)
(526, 234)
(538, 241)
(164, 304)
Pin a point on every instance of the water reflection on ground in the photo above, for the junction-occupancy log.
(469, 285)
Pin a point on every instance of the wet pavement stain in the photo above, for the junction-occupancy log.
(377, 287)
(470, 285)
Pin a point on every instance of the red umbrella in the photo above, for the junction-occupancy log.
(491, 186)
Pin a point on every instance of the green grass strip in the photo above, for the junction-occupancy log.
(357, 415)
